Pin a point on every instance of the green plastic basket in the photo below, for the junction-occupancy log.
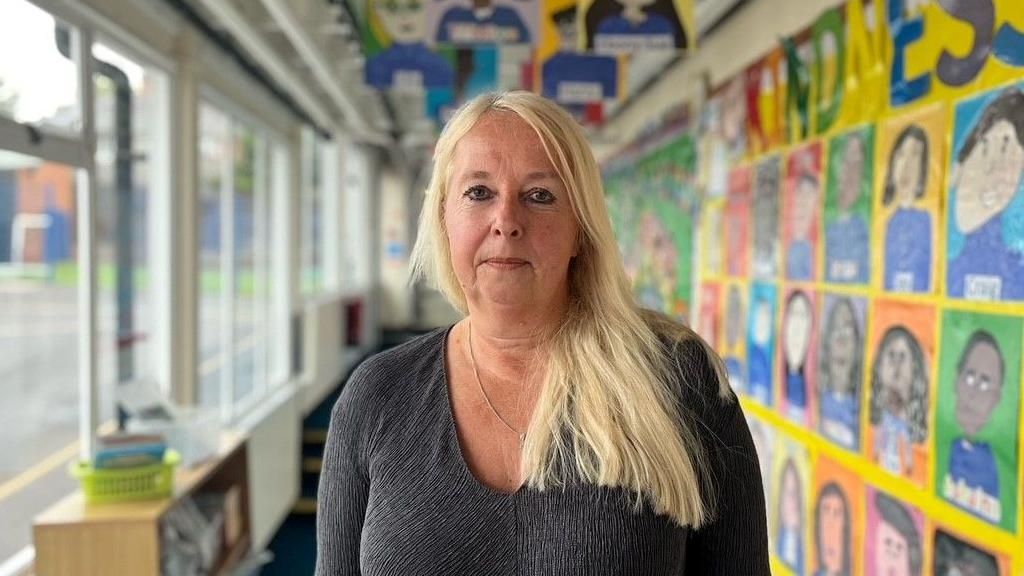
(102, 486)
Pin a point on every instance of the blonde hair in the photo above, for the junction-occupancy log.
(609, 404)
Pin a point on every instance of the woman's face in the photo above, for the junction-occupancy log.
(511, 229)
(892, 551)
(989, 177)
(897, 374)
(797, 331)
(841, 346)
(907, 164)
(831, 521)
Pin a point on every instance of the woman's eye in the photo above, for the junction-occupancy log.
(542, 196)
(477, 193)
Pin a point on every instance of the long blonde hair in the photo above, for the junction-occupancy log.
(609, 400)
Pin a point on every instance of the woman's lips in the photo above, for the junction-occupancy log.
(505, 263)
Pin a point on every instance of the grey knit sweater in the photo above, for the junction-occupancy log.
(396, 497)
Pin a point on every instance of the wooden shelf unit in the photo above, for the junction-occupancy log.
(80, 539)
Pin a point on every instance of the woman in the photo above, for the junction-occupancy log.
(899, 401)
(908, 236)
(558, 428)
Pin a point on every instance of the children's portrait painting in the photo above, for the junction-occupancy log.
(637, 26)
(985, 240)
(841, 369)
(736, 228)
(957, 556)
(978, 414)
(838, 520)
(766, 216)
(894, 538)
(848, 207)
(908, 181)
(903, 344)
(789, 505)
(797, 355)
(761, 341)
(709, 318)
(733, 350)
(801, 212)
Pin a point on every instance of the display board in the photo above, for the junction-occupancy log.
(862, 240)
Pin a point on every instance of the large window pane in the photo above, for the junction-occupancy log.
(38, 80)
(312, 214)
(215, 152)
(39, 326)
(128, 102)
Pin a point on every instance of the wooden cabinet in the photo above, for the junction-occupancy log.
(75, 538)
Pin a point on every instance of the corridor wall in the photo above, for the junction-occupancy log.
(854, 204)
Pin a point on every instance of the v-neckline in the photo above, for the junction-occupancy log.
(453, 433)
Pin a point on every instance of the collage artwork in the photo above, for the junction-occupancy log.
(853, 208)
(576, 53)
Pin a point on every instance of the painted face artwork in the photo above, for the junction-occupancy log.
(797, 330)
(897, 374)
(804, 206)
(989, 177)
(403, 20)
(833, 519)
(908, 165)
(733, 317)
(762, 322)
(791, 498)
(979, 387)
(841, 347)
(850, 177)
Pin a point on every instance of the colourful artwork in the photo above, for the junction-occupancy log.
(957, 556)
(976, 436)
(767, 176)
(791, 482)
(664, 246)
(901, 366)
(908, 180)
(396, 50)
(709, 318)
(476, 72)
(637, 26)
(711, 238)
(985, 246)
(572, 77)
(734, 347)
(737, 223)
(465, 23)
(797, 355)
(761, 342)
(848, 207)
(894, 543)
(838, 520)
(801, 210)
(840, 369)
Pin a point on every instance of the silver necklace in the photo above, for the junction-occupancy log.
(472, 357)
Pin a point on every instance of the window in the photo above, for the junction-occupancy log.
(311, 242)
(238, 179)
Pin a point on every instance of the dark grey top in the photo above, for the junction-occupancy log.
(397, 498)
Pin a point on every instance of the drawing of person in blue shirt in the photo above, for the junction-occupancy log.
(988, 205)
(733, 332)
(484, 23)
(407, 62)
(624, 26)
(797, 324)
(789, 518)
(760, 346)
(908, 236)
(846, 237)
(800, 253)
(899, 400)
(570, 77)
(972, 481)
(766, 219)
(839, 375)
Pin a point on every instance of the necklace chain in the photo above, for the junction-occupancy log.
(472, 357)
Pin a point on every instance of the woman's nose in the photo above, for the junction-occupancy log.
(507, 220)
